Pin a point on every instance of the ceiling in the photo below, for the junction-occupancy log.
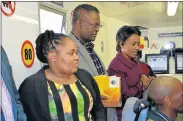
(146, 14)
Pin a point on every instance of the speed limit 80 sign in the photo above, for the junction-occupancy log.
(27, 54)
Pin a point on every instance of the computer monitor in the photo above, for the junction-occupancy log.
(177, 50)
(178, 63)
(165, 51)
(158, 62)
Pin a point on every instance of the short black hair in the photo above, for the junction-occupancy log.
(124, 33)
(85, 7)
(47, 41)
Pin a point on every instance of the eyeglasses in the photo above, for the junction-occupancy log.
(96, 26)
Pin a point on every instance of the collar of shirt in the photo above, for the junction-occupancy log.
(87, 45)
(164, 116)
(129, 63)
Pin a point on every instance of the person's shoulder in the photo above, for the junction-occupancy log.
(146, 64)
(85, 77)
(114, 61)
(142, 62)
(83, 72)
(30, 79)
(72, 36)
(38, 73)
(115, 64)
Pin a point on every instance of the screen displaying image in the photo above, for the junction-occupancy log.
(157, 62)
(180, 62)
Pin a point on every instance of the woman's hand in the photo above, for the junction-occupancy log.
(145, 80)
(104, 96)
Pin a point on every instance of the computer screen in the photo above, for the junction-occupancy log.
(158, 62)
(179, 63)
(165, 51)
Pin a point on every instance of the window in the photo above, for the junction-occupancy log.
(52, 18)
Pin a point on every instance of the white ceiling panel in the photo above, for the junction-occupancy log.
(147, 14)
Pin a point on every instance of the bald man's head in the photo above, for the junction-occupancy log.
(167, 91)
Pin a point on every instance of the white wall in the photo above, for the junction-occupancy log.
(160, 41)
(23, 25)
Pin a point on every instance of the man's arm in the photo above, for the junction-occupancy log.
(20, 112)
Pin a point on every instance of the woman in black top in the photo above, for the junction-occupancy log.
(60, 91)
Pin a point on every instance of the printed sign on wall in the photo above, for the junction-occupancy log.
(173, 34)
(27, 54)
(142, 42)
(8, 8)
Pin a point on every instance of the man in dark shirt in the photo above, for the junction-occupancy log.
(167, 95)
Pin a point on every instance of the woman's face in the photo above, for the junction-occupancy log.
(67, 60)
(131, 46)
